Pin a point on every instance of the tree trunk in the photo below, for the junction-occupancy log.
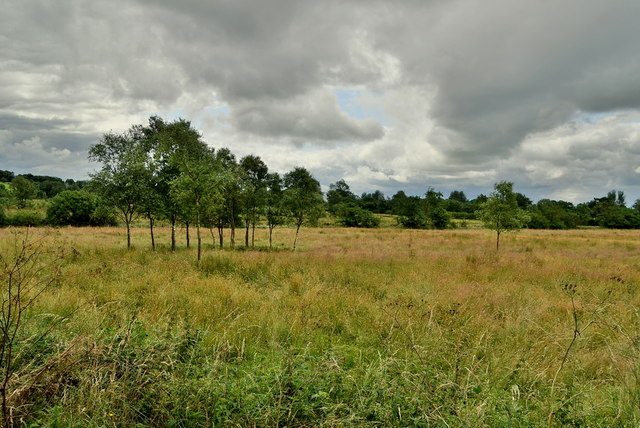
(213, 237)
(295, 240)
(232, 238)
(270, 235)
(253, 234)
(199, 238)
(221, 235)
(497, 240)
(128, 222)
(186, 223)
(246, 232)
(173, 232)
(153, 239)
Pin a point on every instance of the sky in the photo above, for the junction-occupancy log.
(387, 95)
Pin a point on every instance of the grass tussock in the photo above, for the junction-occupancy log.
(358, 328)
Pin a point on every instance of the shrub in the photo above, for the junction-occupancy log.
(72, 208)
(440, 218)
(78, 208)
(354, 216)
(103, 216)
(25, 218)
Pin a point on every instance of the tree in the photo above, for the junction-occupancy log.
(232, 189)
(375, 202)
(302, 198)
(339, 194)
(171, 147)
(458, 195)
(23, 190)
(610, 211)
(120, 182)
(548, 214)
(501, 212)
(51, 188)
(197, 187)
(274, 210)
(6, 176)
(255, 171)
(437, 216)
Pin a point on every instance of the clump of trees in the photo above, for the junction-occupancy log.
(346, 206)
(165, 171)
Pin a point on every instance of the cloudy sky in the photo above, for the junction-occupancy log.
(389, 95)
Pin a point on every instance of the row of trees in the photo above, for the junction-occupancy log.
(434, 211)
(164, 171)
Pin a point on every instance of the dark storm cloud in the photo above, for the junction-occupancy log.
(466, 86)
(316, 117)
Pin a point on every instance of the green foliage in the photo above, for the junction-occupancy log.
(619, 217)
(610, 212)
(24, 218)
(255, 192)
(121, 181)
(339, 195)
(6, 176)
(459, 196)
(302, 198)
(375, 202)
(548, 214)
(77, 208)
(435, 213)
(501, 212)
(196, 191)
(440, 218)
(23, 190)
(50, 188)
(351, 215)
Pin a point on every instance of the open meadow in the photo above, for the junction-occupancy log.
(384, 327)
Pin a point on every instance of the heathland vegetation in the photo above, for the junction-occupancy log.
(359, 327)
(380, 318)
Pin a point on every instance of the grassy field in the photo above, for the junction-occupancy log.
(383, 327)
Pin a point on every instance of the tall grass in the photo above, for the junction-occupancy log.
(361, 327)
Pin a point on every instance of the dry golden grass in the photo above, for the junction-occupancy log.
(415, 314)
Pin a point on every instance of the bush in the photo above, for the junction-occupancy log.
(71, 208)
(354, 216)
(103, 216)
(78, 208)
(440, 218)
(25, 218)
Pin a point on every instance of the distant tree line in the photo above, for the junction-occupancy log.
(164, 171)
(433, 210)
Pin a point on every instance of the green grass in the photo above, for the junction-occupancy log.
(383, 327)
